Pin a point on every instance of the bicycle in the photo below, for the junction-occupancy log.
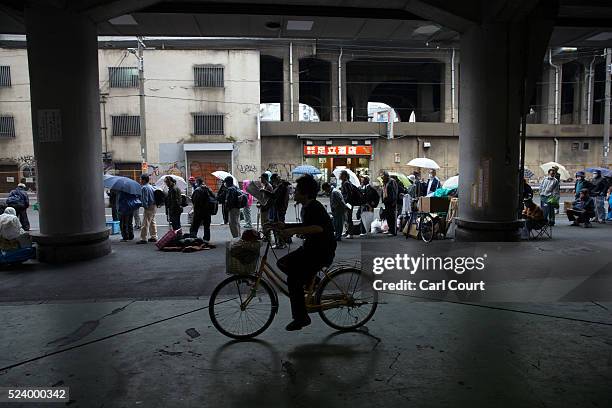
(244, 306)
(431, 225)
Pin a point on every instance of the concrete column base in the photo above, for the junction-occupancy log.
(73, 247)
(487, 231)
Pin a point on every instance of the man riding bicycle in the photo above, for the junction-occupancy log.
(318, 249)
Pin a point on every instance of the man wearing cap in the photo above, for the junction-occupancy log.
(598, 191)
(581, 183)
(18, 199)
(582, 210)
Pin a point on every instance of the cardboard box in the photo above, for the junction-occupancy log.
(434, 204)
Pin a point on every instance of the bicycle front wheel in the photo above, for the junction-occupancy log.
(242, 308)
(347, 299)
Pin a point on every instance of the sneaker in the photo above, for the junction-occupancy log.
(277, 246)
(298, 324)
(363, 235)
(152, 240)
(349, 237)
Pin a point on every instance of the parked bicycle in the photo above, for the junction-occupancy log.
(244, 306)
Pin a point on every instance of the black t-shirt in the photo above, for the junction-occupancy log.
(321, 246)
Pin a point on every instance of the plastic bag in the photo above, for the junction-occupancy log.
(384, 226)
(376, 227)
(367, 217)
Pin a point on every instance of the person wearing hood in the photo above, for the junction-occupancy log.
(18, 199)
(12, 236)
(598, 192)
(549, 196)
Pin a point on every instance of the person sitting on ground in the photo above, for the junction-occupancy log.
(12, 236)
(317, 251)
(582, 210)
(527, 190)
(533, 215)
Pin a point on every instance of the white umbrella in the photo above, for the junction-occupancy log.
(562, 170)
(423, 162)
(452, 182)
(180, 182)
(352, 176)
(222, 175)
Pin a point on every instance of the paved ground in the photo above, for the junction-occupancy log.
(115, 331)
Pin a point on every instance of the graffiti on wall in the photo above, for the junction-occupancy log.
(283, 169)
(247, 168)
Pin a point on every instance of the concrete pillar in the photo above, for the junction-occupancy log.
(289, 82)
(425, 103)
(586, 95)
(63, 68)
(577, 105)
(547, 108)
(360, 94)
(446, 91)
(338, 112)
(489, 104)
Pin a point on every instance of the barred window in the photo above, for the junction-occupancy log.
(5, 75)
(208, 123)
(126, 125)
(208, 76)
(123, 77)
(7, 126)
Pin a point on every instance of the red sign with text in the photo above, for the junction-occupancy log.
(337, 150)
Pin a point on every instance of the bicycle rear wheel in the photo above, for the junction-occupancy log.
(427, 227)
(347, 299)
(232, 316)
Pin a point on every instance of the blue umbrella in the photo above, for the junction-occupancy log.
(604, 172)
(306, 169)
(528, 173)
(119, 183)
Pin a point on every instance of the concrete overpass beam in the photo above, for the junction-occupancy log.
(63, 69)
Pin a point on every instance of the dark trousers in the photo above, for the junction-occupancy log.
(200, 219)
(578, 216)
(225, 212)
(348, 220)
(175, 220)
(126, 223)
(390, 216)
(278, 216)
(22, 214)
(300, 269)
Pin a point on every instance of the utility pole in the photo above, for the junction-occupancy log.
(141, 88)
(606, 127)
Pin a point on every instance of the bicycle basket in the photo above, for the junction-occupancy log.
(241, 257)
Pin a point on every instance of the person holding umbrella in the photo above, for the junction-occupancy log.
(127, 204)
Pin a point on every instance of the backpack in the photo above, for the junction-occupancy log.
(242, 199)
(203, 196)
(184, 202)
(375, 197)
(159, 196)
(354, 195)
